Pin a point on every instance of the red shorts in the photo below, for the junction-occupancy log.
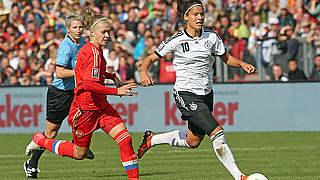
(85, 122)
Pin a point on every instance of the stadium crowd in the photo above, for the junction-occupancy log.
(277, 34)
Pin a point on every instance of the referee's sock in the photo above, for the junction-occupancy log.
(127, 154)
(35, 157)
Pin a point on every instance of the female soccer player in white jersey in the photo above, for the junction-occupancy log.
(194, 49)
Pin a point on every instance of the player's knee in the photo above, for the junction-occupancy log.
(80, 155)
(193, 144)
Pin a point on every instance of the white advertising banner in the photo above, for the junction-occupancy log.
(238, 107)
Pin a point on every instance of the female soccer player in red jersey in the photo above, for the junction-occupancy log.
(90, 110)
(195, 49)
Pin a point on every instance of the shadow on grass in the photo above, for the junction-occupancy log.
(141, 174)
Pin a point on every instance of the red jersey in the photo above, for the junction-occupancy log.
(90, 66)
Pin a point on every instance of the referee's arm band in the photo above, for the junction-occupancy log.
(156, 52)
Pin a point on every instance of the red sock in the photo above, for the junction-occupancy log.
(127, 154)
(60, 147)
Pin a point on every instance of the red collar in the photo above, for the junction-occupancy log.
(95, 46)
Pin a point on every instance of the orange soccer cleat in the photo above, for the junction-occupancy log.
(243, 177)
(146, 143)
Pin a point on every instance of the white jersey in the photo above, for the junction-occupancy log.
(193, 59)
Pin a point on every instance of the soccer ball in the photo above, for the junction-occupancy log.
(257, 176)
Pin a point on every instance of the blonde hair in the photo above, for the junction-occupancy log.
(73, 17)
(91, 18)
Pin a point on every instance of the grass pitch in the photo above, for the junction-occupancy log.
(278, 155)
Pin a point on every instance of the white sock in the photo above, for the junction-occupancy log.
(224, 154)
(173, 138)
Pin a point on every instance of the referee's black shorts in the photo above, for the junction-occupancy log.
(58, 104)
(197, 110)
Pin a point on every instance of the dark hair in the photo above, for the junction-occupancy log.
(292, 60)
(183, 5)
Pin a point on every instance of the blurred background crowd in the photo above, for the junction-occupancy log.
(281, 38)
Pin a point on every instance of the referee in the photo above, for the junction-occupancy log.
(60, 93)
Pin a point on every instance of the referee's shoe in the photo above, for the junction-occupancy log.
(31, 172)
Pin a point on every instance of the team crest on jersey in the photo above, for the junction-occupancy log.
(95, 73)
(160, 47)
(79, 133)
(208, 44)
(193, 106)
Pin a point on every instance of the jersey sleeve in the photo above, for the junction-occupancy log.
(64, 56)
(165, 47)
(219, 48)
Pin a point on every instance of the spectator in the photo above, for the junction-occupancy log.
(112, 60)
(262, 9)
(148, 50)
(131, 68)
(286, 18)
(247, 14)
(132, 21)
(274, 11)
(23, 68)
(314, 36)
(294, 72)
(314, 9)
(123, 68)
(315, 74)
(269, 44)
(167, 73)
(223, 29)
(210, 14)
(288, 41)
(257, 31)
(277, 74)
(14, 80)
(122, 15)
(234, 7)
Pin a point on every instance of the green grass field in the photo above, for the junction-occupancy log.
(278, 155)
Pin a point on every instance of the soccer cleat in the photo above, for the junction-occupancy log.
(90, 155)
(146, 143)
(31, 172)
(33, 145)
(243, 177)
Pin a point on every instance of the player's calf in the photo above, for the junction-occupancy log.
(60, 147)
(127, 154)
(224, 154)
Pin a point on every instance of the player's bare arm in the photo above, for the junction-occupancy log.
(234, 62)
(145, 78)
(62, 72)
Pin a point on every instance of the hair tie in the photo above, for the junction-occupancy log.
(192, 7)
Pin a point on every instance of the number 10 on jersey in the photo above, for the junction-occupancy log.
(185, 47)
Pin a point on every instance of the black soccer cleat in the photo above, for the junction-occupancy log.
(90, 155)
(31, 172)
(146, 143)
